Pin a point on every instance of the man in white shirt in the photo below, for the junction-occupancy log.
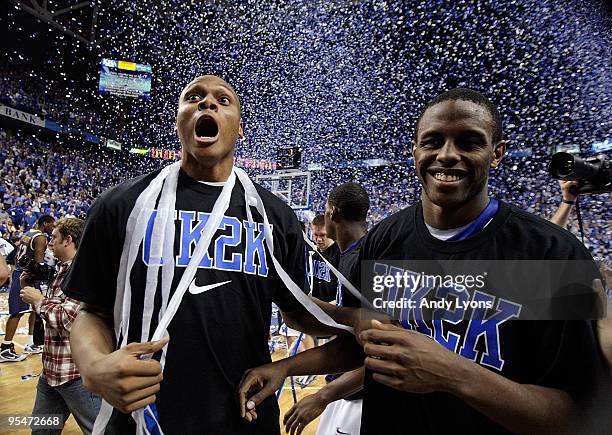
(5, 249)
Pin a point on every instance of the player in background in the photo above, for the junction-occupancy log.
(32, 248)
(340, 401)
(325, 283)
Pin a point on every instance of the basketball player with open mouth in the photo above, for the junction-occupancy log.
(195, 255)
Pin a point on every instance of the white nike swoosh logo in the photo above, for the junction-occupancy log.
(196, 289)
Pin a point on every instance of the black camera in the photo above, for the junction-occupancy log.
(36, 271)
(594, 174)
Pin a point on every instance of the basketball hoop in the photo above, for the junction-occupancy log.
(292, 186)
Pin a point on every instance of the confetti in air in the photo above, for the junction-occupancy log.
(344, 80)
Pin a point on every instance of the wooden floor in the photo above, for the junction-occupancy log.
(17, 395)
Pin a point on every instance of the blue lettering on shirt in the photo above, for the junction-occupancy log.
(480, 327)
(250, 256)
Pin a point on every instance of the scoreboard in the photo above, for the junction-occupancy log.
(125, 79)
(288, 158)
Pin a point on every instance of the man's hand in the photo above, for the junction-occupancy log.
(31, 295)
(567, 189)
(25, 279)
(303, 412)
(257, 384)
(408, 360)
(123, 379)
(364, 319)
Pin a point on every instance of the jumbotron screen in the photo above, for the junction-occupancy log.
(125, 79)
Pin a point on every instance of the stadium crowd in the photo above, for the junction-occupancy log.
(41, 176)
(46, 177)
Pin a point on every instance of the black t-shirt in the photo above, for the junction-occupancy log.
(216, 335)
(347, 262)
(325, 283)
(557, 354)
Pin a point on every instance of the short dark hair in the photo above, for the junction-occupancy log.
(352, 200)
(318, 221)
(467, 94)
(220, 77)
(72, 227)
(44, 220)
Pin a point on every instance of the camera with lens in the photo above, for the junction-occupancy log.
(594, 174)
(36, 271)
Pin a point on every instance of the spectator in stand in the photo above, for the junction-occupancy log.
(29, 220)
(33, 170)
(3, 214)
(16, 213)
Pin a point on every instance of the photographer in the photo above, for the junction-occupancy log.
(30, 257)
(568, 189)
(561, 216)
(60, 388)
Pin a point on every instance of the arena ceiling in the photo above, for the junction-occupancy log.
(85, 21)
(96, 23)
(336, 76)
